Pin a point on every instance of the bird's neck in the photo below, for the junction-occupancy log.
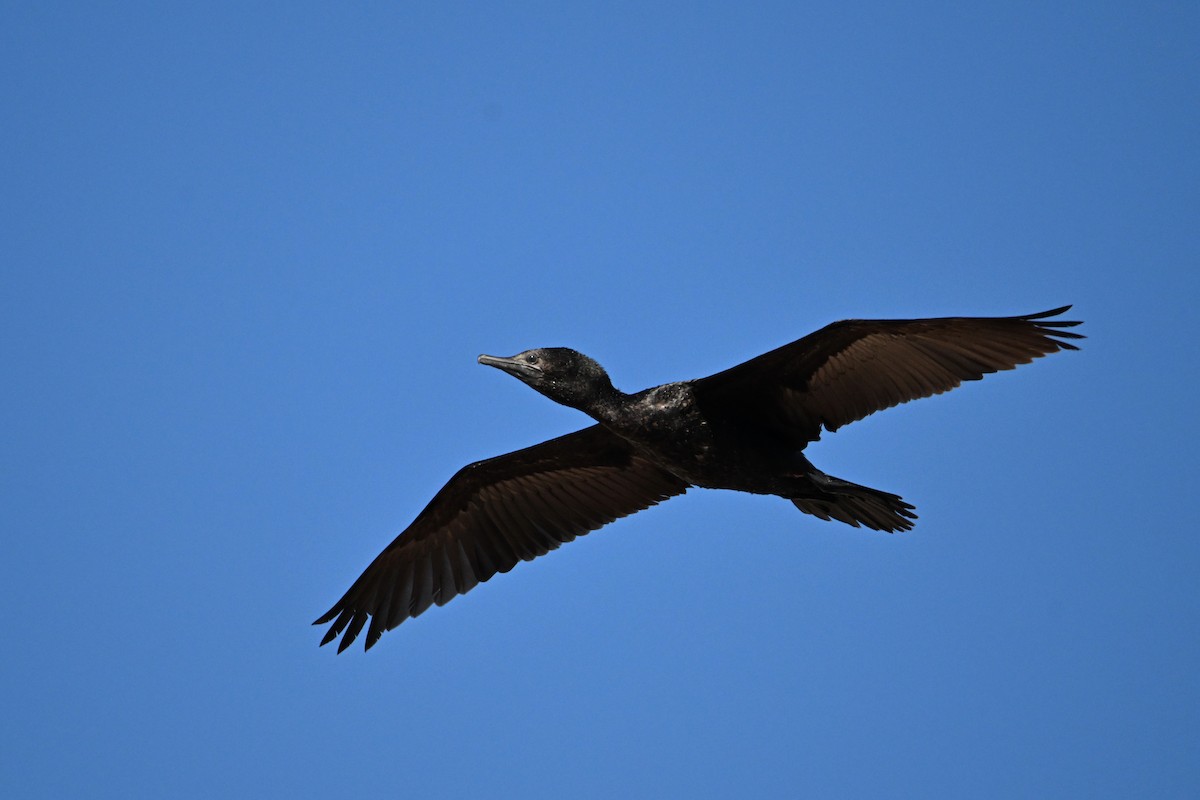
(604, 405)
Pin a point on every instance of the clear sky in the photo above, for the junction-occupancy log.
(250, 252)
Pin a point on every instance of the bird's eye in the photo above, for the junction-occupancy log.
(531, 359)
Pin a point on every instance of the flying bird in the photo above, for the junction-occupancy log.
(743, 429)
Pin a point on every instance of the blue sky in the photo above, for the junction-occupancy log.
(250, 255)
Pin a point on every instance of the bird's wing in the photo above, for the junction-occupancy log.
(494, 513)
(853, 368)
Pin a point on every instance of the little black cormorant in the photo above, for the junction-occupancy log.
(744, 429)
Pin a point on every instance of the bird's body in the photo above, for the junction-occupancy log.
(665, 424)
(743, 429)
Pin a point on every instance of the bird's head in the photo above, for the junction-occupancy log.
(562, 374)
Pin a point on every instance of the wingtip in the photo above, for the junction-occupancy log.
(1053, 328)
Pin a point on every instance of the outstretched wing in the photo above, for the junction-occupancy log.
(493, 514)
(853, 368)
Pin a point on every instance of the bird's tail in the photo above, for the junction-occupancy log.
(856, 505)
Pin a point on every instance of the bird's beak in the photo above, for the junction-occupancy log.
(513, 366)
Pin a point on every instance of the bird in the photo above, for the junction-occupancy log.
(743, 429)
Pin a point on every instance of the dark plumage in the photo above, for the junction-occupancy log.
(742, 429)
